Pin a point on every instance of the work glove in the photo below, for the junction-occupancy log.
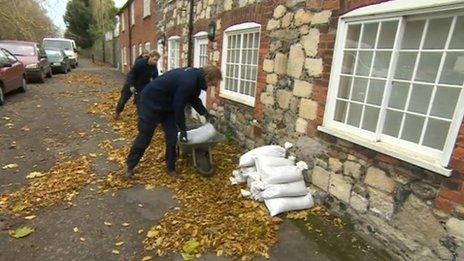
(183, 136)
(132, 89)
(209, 118)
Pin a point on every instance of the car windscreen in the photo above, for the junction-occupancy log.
(62, 45)
(19, 49)
(53, 55)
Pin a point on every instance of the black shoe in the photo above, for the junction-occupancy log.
(129, 173)
(173, 174)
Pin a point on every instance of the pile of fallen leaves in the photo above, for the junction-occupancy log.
(61, 183)
(212, 216)
(90, 80)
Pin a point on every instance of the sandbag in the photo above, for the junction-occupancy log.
(252, 177)
(238, 176)
(292, 189)
(201, 134)
(247, 159)
(279, 205)
(280, 174)
(271, 161)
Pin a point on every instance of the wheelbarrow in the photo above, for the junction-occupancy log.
(200, 154)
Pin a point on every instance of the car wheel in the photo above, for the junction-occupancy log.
(2, 96)
(23, 87)
(50, 73)
(42, 76)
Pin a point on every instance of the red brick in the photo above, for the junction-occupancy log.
(386, 159)
(454, 196)
(444, 205)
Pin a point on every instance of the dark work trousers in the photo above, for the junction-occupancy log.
(146, 126)
(125, 96)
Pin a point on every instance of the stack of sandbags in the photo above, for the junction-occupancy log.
(274, 179)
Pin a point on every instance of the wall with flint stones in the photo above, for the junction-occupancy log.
(416, 213)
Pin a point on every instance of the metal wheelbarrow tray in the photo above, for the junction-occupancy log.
(200, 154)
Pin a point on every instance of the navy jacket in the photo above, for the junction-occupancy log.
(141, 73)
(172, 92)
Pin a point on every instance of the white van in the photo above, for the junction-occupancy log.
(67, 45)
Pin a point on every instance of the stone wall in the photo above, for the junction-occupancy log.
(416, 213)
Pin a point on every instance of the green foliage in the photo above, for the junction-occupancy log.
(21, 232)
(79, 20)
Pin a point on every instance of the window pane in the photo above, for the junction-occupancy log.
(364, 63)
(344, 87)
(387, 34)
(352, 37)
(398, 96)
(340, 111)
(453, 69)
(370, 118)
(359, 89)
(245, 40)
(392, 123)
(245, 57)
(412, 35)
(381, 64)
(437, 33)
(428, 67)
(412, 128)
(253, 73)
(420, 98)
(457, 41)
(445, 101)
(369, 35)
(348, 62)
(375, 93)
(436, 133)
(405, 66)
(354, 114)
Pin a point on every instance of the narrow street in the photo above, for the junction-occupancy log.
(89, 213)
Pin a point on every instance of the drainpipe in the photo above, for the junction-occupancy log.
(190, 36)
(130, 34)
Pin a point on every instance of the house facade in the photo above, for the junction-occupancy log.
(368, 91)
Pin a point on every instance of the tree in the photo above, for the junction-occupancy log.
(25, 20)
(79, 22)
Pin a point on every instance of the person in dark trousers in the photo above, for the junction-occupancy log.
(141, 73)
(163, 102)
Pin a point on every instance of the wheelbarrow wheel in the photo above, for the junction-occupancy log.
(203, 162)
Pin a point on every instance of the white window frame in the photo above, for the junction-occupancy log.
(140, 49)
(146, 8)
(134, 54)
(428, 158)
(239, 29)
(147, 46)
(132, 13)
(200, 58)
(173, 52)
(160, 49)
(123, 25)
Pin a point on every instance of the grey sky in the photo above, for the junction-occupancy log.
(57, 8)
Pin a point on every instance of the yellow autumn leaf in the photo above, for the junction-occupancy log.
(119, 243)
(35, 174)
(116, 252)
(125, 224)
(11, 166)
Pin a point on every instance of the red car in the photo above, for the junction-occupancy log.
(32, 56)
(12, 74)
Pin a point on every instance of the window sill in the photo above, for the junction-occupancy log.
(237, 99)
(396, 152)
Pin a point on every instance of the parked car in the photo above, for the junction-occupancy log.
(67, 45)
(32, 56)
(12, 74)
(58, 60)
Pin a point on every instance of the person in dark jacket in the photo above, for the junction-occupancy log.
(163, 102)
(141, 73)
